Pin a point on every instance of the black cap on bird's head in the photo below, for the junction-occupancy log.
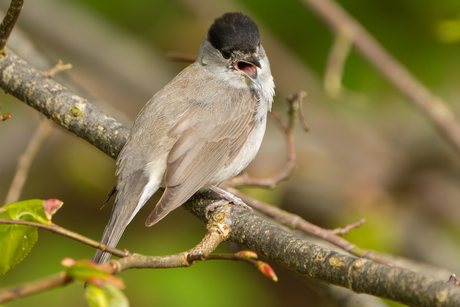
(234, 31)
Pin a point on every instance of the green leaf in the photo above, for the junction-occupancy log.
(108, 296)
(16, 241)
(33, 210)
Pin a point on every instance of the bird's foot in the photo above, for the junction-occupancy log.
(228, 198)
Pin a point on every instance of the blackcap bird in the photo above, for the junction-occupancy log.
(201, 129)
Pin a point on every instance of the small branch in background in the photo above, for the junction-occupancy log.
(57, 68)
(295, 110)
(26, 159)
(335, 65)
(181, 57)
(296, 222)
(296, 102)
(8, 23)
(346, 229)
(436, 110)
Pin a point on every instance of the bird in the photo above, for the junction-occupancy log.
(204, 127)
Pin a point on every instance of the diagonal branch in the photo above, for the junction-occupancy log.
(69, 234)
(66, 109)
(25, 161)
(8, 23)
(360, 275)
(296, 222)
(436, 110)
(45, 284)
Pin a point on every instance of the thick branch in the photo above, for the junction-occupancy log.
(80, 117)
(61, 105)
(359, 275)
(294, 221)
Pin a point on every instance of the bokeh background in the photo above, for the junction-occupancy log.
(369, 153)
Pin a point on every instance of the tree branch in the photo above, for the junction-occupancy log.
(69, 234)
(66, 109)
(80, 117)
(54, 281)
(8, 23)
(296, 222)
(436, 110)
(25, 161)
(320, 264)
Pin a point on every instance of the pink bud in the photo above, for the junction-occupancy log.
(68, 262)
(267, 270)
(247, 254)
(51, 206)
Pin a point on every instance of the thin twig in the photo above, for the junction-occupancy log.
(335, 65)
(346, 229)
(57, 68)
(26, 159)
(8, 23)
(35, 287)
(438, 112)
(294, 221)
(296, 102)
(70, 234)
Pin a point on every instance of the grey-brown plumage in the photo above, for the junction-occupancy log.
(202, 128)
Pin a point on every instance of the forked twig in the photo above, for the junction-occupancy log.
(57, 68)
(295, 111)
(296, 222)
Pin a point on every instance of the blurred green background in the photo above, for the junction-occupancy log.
(369, 153)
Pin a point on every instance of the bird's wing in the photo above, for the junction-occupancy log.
(210, 137)
(148, 144)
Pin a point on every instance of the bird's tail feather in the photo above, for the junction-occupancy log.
(127, 203)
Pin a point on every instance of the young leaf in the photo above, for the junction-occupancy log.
(33, 210)
(108, 296)
(88, 271)
(16, 241)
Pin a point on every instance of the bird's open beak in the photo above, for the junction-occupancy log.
(249, 68)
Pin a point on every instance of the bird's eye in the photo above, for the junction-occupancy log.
(226, 54)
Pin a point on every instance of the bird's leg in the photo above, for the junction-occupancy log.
(228, 198)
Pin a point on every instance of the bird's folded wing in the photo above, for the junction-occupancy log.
(204, 146)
